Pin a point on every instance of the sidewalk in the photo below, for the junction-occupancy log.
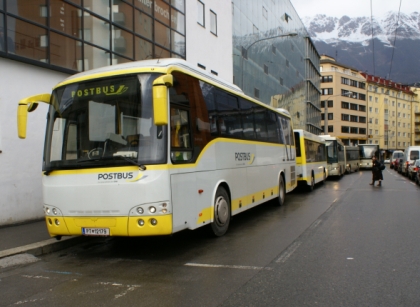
(31, 238)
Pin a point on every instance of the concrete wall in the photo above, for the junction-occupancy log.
(205, 48)
(21, 160)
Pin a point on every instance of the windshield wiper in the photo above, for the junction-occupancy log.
(141, 166)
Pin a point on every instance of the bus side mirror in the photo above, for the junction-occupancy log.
(26, 105)
(160, 99)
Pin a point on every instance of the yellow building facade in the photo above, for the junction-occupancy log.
(343, 102)
(391, 114)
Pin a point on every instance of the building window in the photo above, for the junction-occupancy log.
(353, 118)
(362, 97)
(345, 81)
(362, 119)
(353, 130)
(345, 129)
(200, 13)
(322, 116)
(345, 105)
(345, 117)
(376, 121)
(213, 22)
(330, 128)
(362, 130)
(256, 93)
(330, 116)
(326, 91)
(362, 108)
(353, 106)
(325, 79)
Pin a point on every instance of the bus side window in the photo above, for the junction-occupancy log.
(247, 116)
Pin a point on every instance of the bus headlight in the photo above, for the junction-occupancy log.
(140, 222)
(152, 209)
(47, 210)
(54, 211)
(153, 222)
(140, 210)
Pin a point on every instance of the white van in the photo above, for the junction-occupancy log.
(396, 155)
(411, 154)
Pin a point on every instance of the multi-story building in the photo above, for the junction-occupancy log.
(416, 116)
(390, 114)
(343, 102)
(275, 61)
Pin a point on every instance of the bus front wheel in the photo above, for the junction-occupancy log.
(221, 209)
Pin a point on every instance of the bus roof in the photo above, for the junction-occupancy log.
(164, 66)
(310, 136)
(161, 65)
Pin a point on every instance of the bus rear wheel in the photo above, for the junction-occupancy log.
(311, 186)
(222, 214)
(282, 192)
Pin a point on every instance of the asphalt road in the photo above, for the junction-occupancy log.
(344, 244)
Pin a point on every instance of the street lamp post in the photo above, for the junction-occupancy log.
(257, 41)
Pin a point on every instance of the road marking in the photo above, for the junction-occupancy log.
(129, 288)
(61, 272)
(241, 267)
(35, 277)
(288, 252)
(349, 258)
(315, 224)
(28, 301)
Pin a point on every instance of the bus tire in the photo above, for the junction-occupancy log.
(221, 210)
(282, 192)
(311, 186)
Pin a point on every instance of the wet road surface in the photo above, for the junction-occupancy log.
(344, 244)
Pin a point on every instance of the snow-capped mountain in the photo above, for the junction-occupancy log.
(350, 40)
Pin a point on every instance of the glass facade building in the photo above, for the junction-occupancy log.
(275, 61)
(77, 35)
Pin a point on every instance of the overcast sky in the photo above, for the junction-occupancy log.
(353, 8)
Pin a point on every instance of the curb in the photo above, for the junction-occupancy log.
(43, 247)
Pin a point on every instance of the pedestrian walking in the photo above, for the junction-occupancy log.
(376, 172)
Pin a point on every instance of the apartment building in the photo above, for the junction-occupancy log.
(343, 102)
(416, 116)
(391, 114)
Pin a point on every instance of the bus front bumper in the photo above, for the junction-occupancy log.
(109, 226)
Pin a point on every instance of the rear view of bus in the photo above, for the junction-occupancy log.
(155, 147)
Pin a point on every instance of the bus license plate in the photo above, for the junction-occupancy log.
(95, 231)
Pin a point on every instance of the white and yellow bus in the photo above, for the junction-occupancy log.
(155, 147)
(367, 151)
(311, 158)
(336, 162)
(352, 156)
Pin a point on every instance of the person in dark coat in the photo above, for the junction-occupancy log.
(376, 172)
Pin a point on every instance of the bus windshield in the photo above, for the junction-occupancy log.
(332, 155)
(367, 152)
(105, 122)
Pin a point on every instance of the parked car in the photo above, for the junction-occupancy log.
(400, 165)
(397, 154)
(412, 169)
(411, 154)
(417, 176)
(386, 161)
